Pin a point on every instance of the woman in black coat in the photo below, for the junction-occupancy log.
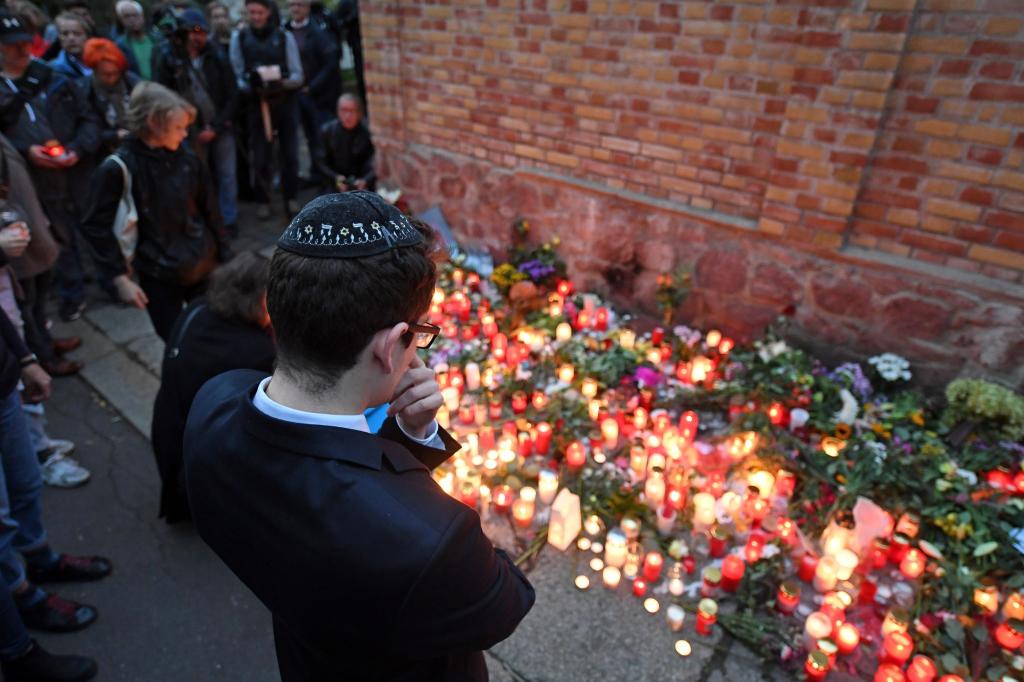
(181, 236)
(227, 329)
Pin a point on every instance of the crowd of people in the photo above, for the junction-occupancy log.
(124, 152)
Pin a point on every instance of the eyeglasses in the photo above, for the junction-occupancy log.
(424, 334)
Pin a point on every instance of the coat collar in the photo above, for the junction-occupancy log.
(324, 442)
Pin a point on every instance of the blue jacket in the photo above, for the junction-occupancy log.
(69, 66)
(370, 570)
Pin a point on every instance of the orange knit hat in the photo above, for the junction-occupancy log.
(100, 49)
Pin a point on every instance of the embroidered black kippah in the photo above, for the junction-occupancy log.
(349, 225)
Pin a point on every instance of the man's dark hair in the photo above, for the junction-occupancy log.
(325, 310)
(237, 288)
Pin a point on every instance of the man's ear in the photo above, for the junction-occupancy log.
(384, 343)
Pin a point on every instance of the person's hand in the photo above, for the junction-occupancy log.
(38, 157)
(360, 184)
(68, 160)
(122, 133)
(130, 292)
(207, 135)
(417, 399)
(14, 239)
(339, 182)
(37, 383)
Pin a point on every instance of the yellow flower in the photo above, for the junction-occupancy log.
(917, 418)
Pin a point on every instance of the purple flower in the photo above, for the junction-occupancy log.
(648, 376)
(536, 270)
(852, 376)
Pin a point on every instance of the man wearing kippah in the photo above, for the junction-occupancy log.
(370, 570)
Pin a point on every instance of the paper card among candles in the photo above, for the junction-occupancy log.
(566, 520)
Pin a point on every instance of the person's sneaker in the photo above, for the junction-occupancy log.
(39, 665)
(57, 614)
(71, 311)
(263, 212)
(70, 568)
(60, 471)
(58, 446)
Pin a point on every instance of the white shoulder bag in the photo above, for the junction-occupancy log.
(126, 222)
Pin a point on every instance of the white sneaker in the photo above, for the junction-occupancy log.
(59, 446)
(63, 472)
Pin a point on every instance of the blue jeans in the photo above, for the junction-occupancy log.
(14, 639)
(21, 484)
(222, 158)
(69, 271)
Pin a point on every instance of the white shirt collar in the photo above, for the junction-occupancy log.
(303, 24)
(265, 404)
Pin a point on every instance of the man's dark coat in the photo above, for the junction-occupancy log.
(370, 570)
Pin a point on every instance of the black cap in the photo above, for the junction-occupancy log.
(349, 225)
(12, 30)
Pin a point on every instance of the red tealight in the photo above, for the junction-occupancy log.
(639, 587)
(732, 572)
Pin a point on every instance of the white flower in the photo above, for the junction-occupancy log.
(772, 350)
(969, 476)
(878, 450)
(891, 367)
(849, 410)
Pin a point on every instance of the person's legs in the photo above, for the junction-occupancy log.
(14, 639)
(310, 127)
(21, 517)
(68, 269)
(259, 156)
(286, 121)
(225, 166)
(33, 312)
(165, 304)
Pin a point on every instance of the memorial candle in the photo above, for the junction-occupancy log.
(610, 432)
(912, 564)
(921, 669)
(653, 563)
(588, 388)
(639, 587)
(601, 319)
(566, 373)
(522, 512)
(732, 572)
(703, 511)
(666, 518)
(788, 597)
(547, 485)
(816, 666)
(711, 580)
(563, 332)
(627, 338)
(675, 616)
(808, 566)
(897, 648)
(575, 456)
(611, 577)
(846, 563)
(847, 638)
(817, 626)
(502, 498)
(542, 440)
(887, 672)
(896, 620)
(615, 548)
(1010, 634)
(754, 548)
(1014, 606)
(825, 575)
(519, 401)
(717, 539)
(707, 614)
(654, 490)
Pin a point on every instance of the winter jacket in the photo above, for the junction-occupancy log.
(48, 106)
(319, 54)
(12, 350)
(348, 153)
(181, 234)
(102, 110)
(215, 72)
(42, 251)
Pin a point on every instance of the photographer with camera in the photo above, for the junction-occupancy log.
(268, 69)
(345, 157)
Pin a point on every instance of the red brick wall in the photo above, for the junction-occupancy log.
(855, 161)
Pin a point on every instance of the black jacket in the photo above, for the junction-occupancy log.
(12, 350)
(370, 570)
(100, 105)
(215, 71)
(201, 346)
(181, 234)
(59, 112)
(348, 153)
(319, 54)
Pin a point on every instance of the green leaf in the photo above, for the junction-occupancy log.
(985, 548)
(949, 662)
(955, 630)
(980, 633)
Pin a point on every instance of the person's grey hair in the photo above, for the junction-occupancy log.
(238, 288)
(124, 5)
(150, 107)
(350, 96)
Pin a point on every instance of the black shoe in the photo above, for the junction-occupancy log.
(69, 311)
(38, 665)
(71, 569)
(56, 614)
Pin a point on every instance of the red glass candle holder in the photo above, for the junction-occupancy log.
(653, 563)
(732, 572)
